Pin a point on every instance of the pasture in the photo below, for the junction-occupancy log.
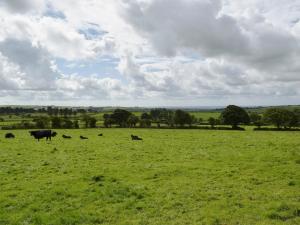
(171, 177)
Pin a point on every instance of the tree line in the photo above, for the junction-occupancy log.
(232, 115)
(51, 111)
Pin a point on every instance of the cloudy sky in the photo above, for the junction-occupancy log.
(150, 52)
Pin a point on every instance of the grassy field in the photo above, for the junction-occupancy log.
(171, 177)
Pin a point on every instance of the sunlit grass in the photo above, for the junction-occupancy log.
(171, 177)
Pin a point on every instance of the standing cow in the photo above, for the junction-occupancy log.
(40, 134)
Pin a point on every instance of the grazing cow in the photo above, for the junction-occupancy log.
(40, 134)
(9, 135)
(83, 138)
(136, 138)
(100, 135)
(66, 136)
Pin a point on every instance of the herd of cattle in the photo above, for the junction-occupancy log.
(48, 134)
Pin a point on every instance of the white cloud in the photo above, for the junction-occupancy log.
(176, 51)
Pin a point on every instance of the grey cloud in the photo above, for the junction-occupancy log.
(172, 25)
(33, 61)
(23, 6)
(252, 49)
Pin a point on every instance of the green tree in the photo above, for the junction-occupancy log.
(120, 117)
(108, 121)
(156, 116)
(167, 116)
(181, 118)
(234, 115)
(132, 120)
(212, 122)
(200, 120)
(67, 124)
(92, 122)
(146, 116)
(85, 118)
(297, 116)
(76, 124)
(41, 122)
(279, 117)
(256, 119)
(56, 122)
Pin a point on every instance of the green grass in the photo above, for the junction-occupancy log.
(171, 177)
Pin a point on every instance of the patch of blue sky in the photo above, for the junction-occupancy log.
(184, 57)
(92, 33)
(51, 12)
(102, 67)
(190, 56)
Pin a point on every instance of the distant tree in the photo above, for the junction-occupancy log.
(200, 120)
(145, 123)
(188, 119)
(170, 118)
(1, 120)
(218, 121)
(61, 112)
(76, 124)
(108, 121)
(132, 120)
(85, 118)
(234, 115)
(49, 110)
(297, 116)
(81, 111)
(212, 122)
(194, 119)
(56, 122)
(291, 119)
(120, 117)
(74, 113)
(67, 124)
(167, 117)
(26, 124)
(146, 116)
(181, 118)
(55, 112)
(92, 122)
(41, 122)
(65, 112)
(280, 117)
(256, 119)
(156, 116)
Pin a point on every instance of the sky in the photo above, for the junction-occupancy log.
(149, 53)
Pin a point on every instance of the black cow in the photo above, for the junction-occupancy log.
(100, 135)
(9, 135)
(66, 136)
(83, 138)
(136, 138)
(40, 134)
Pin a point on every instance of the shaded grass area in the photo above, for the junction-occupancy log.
(172, 177)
